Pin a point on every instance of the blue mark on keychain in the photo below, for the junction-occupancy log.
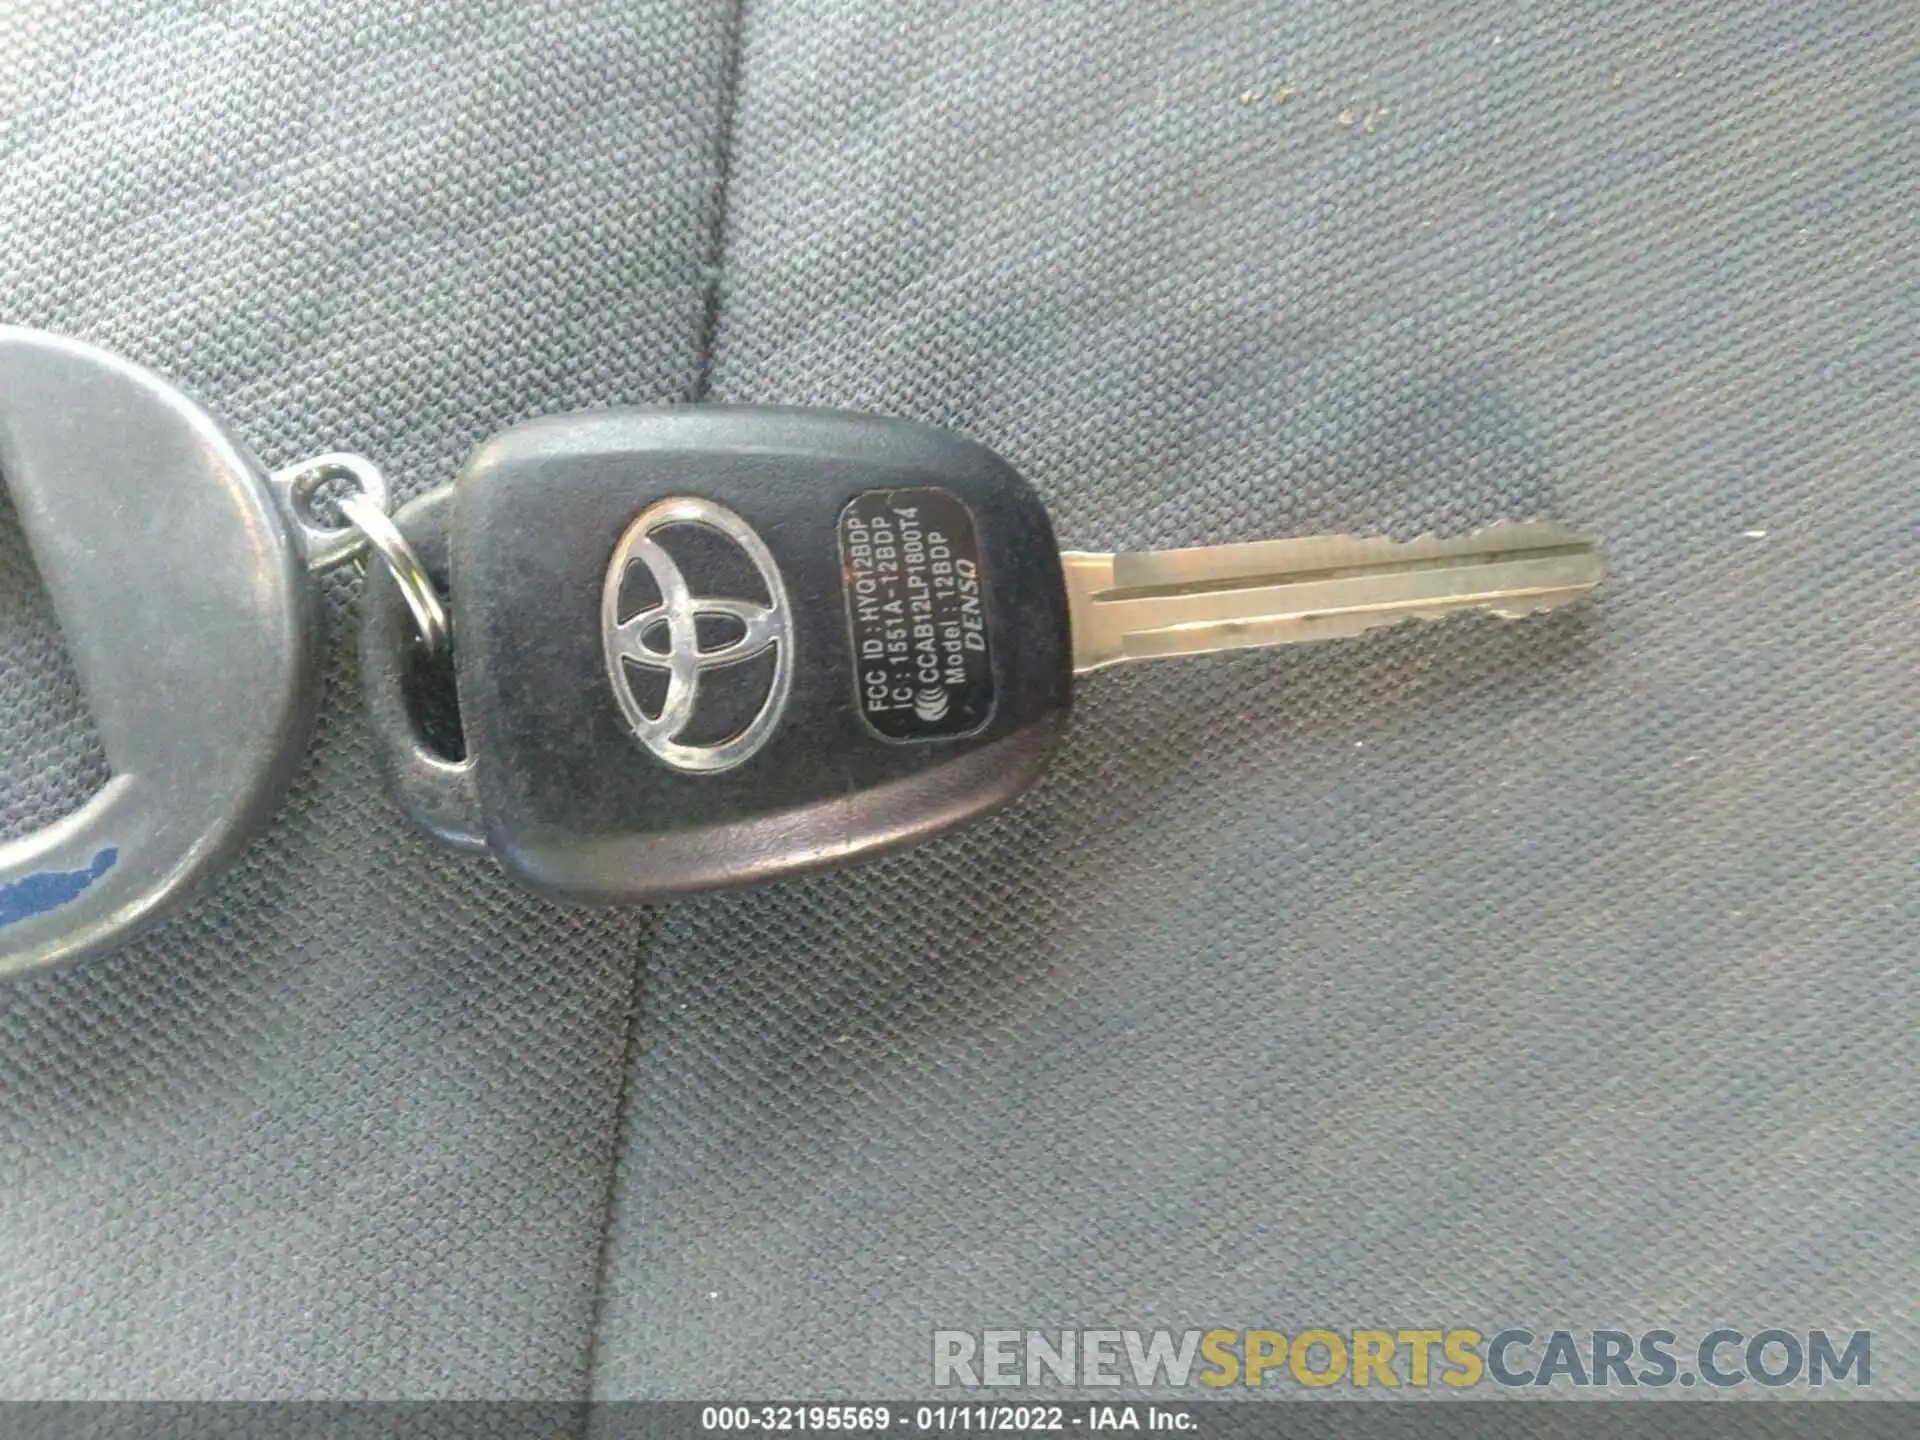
(50, 889)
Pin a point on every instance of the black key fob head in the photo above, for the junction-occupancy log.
(709, 646)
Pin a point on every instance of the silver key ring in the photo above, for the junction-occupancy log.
(368, 526)
(329, 546)
(416, 586)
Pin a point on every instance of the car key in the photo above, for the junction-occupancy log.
(695, 647)
(707, 646)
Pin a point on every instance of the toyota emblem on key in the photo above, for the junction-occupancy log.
(676, 614)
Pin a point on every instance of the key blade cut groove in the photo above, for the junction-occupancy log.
(1143, 573)
(1150, 604)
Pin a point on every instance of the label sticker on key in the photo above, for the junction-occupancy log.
(910, 564)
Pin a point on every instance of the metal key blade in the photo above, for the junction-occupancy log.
(1148, 604)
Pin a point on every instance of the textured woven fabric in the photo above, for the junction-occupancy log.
(345, 1127)
(1554, 974)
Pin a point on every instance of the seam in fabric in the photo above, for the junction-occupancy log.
(723, 183)
(629, 1057)
(728, 107)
